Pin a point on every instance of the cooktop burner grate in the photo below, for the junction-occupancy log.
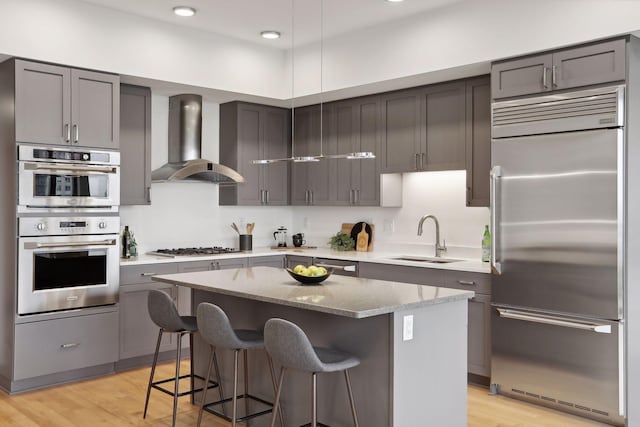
(215, 250)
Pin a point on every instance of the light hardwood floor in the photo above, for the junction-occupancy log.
(118, 400)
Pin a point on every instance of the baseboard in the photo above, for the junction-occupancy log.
(36, 383)
(478, 380)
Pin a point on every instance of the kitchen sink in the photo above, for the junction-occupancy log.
(432, 260)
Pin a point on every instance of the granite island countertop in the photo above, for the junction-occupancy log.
(339, 295)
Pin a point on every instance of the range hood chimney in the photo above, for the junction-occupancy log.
(185, 136)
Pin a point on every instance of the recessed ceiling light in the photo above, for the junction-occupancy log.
(184, 11)
(270, 34)
(394, 1)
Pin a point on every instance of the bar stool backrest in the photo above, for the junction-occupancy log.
(215, 327)
(289, 346)
(163, 311)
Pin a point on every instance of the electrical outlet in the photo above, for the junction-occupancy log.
(407, 328)
(306, 222)
(388, 226)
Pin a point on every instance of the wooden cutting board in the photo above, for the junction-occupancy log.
(364, 240)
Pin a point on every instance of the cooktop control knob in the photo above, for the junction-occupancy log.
(85, 156)
(102, 224)
(41, 226)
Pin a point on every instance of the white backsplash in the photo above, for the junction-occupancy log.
(187, 214)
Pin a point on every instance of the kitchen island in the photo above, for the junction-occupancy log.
(417, 381)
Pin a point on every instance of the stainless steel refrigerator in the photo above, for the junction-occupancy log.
(558, 194)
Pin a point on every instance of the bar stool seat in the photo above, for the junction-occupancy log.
(216, 330)
(290, 347)
(164, 314)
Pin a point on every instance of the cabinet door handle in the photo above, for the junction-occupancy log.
(306, 197)
(416, 167)
(67, 131)
(467, 282)
(423, 160)
(266, 197)
(554, 76)
(351, 196)
(149, 194)
(76, 134)
(262, 197)
(70, 345)
(545, 84)
(357, 196)
(311, 197)
(148, 274)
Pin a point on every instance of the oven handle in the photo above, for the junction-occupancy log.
(34, 166)
(35, 245)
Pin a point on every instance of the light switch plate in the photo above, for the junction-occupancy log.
(407, 328)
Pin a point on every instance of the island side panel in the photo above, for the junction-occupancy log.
(430, 370)
(370, 339)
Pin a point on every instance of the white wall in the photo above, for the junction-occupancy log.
(186, 213)
(85, 35)
(465, 33)
(439, 193)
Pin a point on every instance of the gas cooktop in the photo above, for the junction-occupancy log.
(215, 250)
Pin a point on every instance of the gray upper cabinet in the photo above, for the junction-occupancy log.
(478, 140)
(423, 129)
(443, 143)
(59, 105)
(596, 63)
(135, 145)
(401, 124)
(251, 132)
(311, 181)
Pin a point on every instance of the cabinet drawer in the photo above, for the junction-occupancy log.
(193, 266)
(60, 345)
(478, 282)
(131, 274)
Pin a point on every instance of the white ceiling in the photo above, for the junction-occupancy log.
(244, 19)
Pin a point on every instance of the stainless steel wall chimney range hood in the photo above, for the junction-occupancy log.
(185, 135)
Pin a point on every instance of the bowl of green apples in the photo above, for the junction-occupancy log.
(311, 275)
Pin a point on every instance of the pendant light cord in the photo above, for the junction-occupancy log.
(321, 72)
(293, 121)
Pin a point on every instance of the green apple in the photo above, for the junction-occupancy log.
(298, 268)
(323, 271)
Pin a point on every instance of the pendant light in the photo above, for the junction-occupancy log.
(359, 155)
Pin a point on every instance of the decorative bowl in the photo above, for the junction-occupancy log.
(309, 280)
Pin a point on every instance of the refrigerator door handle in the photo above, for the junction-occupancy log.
(553, 320)
(496, 173)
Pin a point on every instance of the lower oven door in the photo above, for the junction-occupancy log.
(65, 272)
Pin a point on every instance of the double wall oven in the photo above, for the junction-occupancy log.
(68, 228)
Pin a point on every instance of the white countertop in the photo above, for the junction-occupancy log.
(339, 295)
(377, 256)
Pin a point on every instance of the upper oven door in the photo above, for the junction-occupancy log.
(63, 179)
(64, 272)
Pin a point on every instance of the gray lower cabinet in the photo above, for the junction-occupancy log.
(252, 132)
(266, 261)
(293, 260)
(138, 333)
(59, 345)
(479, 337)
(595, 63)
(478, 140)
(66, 106)
(135, 145)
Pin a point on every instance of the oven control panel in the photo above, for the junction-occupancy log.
(65, 226)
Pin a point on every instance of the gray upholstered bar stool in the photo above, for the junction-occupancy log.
(289, 347)
(163, 312)
(215, 329)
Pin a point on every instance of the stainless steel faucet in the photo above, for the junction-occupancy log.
(439, 249)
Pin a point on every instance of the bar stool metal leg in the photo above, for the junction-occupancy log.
(276, 402)
(351, 402)
(153, 370)
(275, 390)
(177, 384)
(314, 400)
(191, 374)
(213, 362)
(246, 383)
(234, 400)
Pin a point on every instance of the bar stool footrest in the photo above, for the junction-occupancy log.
(238, 398)
(156, 385)
(319, 425)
